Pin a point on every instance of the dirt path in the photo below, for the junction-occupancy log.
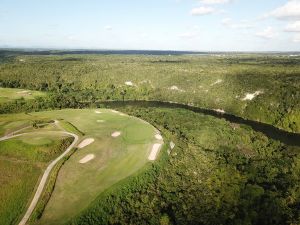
(46, 173)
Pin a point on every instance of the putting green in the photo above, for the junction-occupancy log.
(9, 94)
(114, 158)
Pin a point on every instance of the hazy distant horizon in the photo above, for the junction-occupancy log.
(179, 25)
(39, 49)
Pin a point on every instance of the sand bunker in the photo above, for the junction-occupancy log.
(172, 145)
(154, 152)
(114, 111)
(100, 121)
(98, 112)
(23, 92)
(116, 134)
(129, 83)
(217, 82)
(87, 158)
(86, 142)
(222, 111)
(250, 96)
(158, 137)
(175, 88)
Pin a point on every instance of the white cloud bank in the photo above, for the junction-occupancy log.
(297, 38)
(293, 27)
(228, 22)
(108, 27)
(214, 2)
(188, 35)
(291, 10)
(203, 10)
(267, 33)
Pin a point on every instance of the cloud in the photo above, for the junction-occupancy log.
(267, 33)
(297, 39)
(244, 24)
(108, 27)
(214, 2)
(200, 11)
(71, 37)
(188, 35)
(293, 27)
(291, 10)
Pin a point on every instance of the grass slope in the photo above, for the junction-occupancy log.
(10, 94)
(78, 184)
(22, 161)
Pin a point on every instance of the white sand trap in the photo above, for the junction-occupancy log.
(100, 121)
(154, 152)
(217, 82)
(250, 96)
(222, 111)
(114, 111)
(98, 112)
(172, 145)
(87, 158)
(116, 134)
(158, 137)
(23, 92)
(175, 88)
(129, 83)
(86, 142)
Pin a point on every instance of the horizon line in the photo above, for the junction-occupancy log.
(38, 49)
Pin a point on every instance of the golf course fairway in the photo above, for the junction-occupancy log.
(113, 147)
(10, 94)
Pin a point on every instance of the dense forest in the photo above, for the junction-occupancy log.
(210, 81)
(218, 173)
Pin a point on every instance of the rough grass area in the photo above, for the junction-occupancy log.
(22, 161)
(17, 182)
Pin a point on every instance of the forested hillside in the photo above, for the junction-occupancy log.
(218, 173)
(258, 87)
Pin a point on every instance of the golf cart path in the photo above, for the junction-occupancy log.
(43, 181)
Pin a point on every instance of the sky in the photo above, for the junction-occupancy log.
(194, 25)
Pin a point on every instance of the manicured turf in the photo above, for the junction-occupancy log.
(115, 159)
(9, 94)
(77, 184)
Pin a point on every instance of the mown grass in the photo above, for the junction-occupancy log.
(115, 159)
(10, 94)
